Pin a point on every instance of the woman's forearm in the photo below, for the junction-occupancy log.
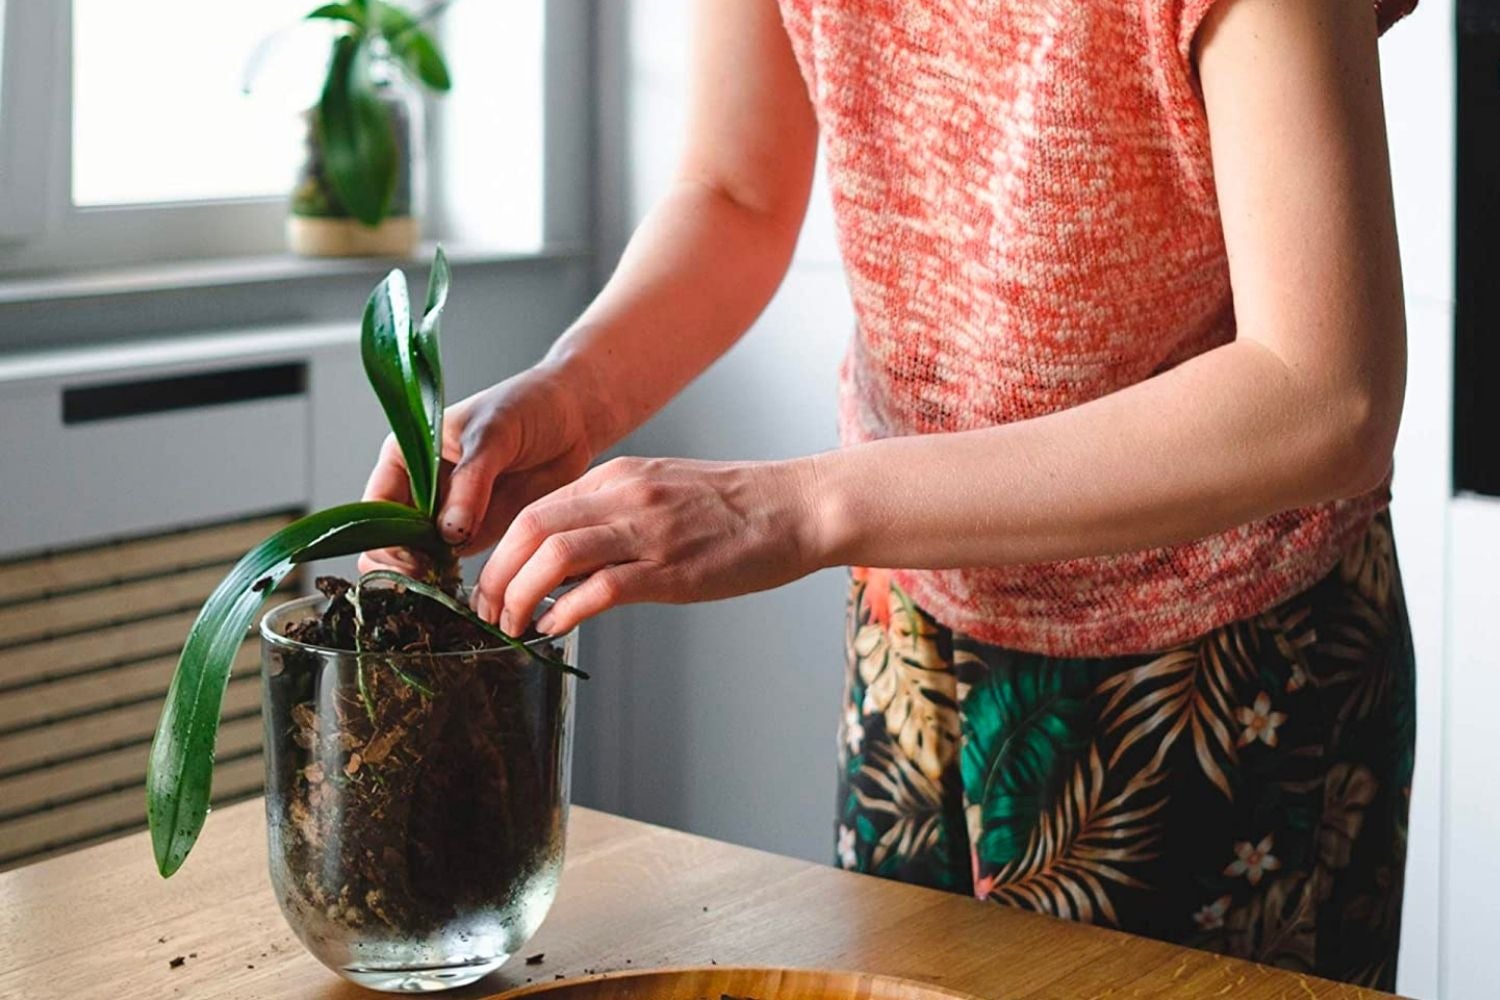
(697, 272)
(1229, 437)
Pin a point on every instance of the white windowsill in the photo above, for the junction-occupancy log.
(208, 273)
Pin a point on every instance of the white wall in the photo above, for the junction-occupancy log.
(1455, 808)
(1417, 61)
(720, 718)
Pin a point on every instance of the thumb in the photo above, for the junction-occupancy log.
(487, 452)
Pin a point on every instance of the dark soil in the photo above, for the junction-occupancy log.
(412, 788)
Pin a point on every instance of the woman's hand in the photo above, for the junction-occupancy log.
(502, 449)
(664, 530)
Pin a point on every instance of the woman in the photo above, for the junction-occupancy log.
(1119, 410)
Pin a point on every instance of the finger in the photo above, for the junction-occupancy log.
(388, 480)
(626, 583)
(521, 540)
(560, 558)
(489, 447)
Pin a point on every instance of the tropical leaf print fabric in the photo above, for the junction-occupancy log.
(1245, 792)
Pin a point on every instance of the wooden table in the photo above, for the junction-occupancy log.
(101, 923)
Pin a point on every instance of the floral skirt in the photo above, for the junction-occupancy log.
(1245, 793)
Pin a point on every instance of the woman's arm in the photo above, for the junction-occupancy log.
(698, 270)
(708, 256)
(1302, 407)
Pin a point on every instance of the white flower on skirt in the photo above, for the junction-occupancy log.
(847, 857)
(1253, 860)
(854, 730)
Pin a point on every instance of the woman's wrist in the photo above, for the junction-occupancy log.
(573, 369)
(822, 522)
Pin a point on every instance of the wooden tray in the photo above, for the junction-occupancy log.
(719, 982)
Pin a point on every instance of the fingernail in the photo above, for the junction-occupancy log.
(507, 623)
(544, 625)
(482, 607)
(456, 525)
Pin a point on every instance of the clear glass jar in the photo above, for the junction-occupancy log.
(416, 803)
(320, 224)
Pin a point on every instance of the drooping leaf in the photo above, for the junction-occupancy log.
(356, 134)
(403, 387)
(416, 49)
(420, 54)
(462, 610)
(427, 356)
(337, 12)
(179, 773)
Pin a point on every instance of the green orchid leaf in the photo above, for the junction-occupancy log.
(337, 12)
(356, 134)
(462, 610)
(426, 357)
(403, 385)
(416, 49)
(179, 774)
(421, 56)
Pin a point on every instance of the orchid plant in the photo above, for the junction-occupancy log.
(402, 363)
(354, 129)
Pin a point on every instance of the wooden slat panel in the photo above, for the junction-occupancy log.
(21, 622)
(44, 702)
(62, 740)
(59, 657)
(103, 564)
(34, 832)
(220, 802)
(33, 789)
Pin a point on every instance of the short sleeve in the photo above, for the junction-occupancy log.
(1190, 15)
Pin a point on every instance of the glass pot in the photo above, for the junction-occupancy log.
(416, 803)
(320, 225)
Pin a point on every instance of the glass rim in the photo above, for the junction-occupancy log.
(275, 638)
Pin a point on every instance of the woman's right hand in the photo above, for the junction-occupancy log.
(502, 448)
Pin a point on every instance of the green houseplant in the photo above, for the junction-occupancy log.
(416, 756)
(361, 184)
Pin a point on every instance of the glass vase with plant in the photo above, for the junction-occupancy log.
(416, 756)
(363, 178)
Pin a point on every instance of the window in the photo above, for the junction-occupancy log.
(126, 137)
(159, 113)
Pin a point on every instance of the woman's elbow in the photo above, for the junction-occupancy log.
(1362, 438)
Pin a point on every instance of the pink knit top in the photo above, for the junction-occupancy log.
(1026, 210)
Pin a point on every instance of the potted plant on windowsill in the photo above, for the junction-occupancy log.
(416, 756)
(361, 186)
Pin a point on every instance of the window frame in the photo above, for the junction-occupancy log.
(25, 75)
(42, 231)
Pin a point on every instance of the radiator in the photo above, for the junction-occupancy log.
(131, 479)
(91, 636)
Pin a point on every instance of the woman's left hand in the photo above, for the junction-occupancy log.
(663, 530)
